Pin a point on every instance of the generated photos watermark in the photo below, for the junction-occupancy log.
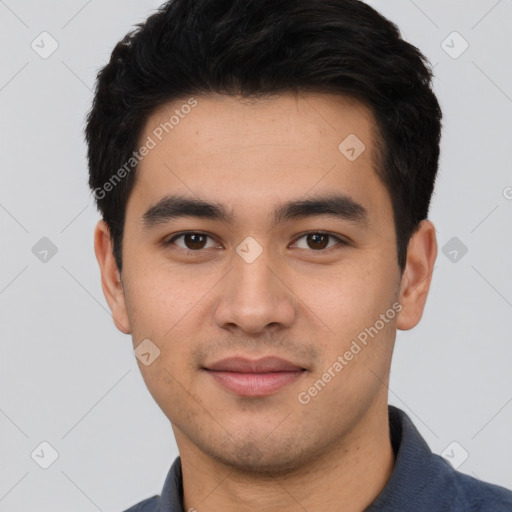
(305, 397)
(137, 156)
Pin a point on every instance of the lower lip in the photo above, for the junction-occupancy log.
(254, 384)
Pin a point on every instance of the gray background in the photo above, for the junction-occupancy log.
(69, 378)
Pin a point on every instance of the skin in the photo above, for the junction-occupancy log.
(295, 301)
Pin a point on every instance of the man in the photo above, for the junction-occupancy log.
(264, 171)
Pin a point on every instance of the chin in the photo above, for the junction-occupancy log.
(257, 458)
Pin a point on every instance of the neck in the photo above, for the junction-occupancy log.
(348, 477)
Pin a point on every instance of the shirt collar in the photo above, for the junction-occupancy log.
(415, 465)
(171, 499)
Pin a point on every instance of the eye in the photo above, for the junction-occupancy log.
(192, 241)
(195, 241)
(319, 241)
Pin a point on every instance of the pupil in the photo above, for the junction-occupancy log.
(194, 241)
(315, 239)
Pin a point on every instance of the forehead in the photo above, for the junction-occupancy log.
(243, 151)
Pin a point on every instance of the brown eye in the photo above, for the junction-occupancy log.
(319, 241)
(194, 241)
(191, 241)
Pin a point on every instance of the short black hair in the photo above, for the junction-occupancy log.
(257, 48)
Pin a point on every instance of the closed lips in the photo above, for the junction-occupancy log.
(243, 365)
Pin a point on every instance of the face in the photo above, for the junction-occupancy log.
(289, 251)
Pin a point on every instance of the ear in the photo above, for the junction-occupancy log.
(110, 277)
(417, 275)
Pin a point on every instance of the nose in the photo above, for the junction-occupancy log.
(255, 296)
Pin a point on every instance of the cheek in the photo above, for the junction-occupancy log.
(345, 301)
(164, 306)
(159, 298)
(358, 344)
(165, 322)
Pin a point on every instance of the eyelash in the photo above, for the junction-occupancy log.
(190, 252)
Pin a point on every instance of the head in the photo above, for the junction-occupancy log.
(264, 172)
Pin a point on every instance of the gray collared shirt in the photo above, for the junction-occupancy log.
(421, 481)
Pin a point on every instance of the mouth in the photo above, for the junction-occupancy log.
(246, 377)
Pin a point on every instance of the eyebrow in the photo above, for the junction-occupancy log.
(340, 206)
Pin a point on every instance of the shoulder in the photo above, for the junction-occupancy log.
(426, 482)
(472, 494)
(147, 505)
(170, 499)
